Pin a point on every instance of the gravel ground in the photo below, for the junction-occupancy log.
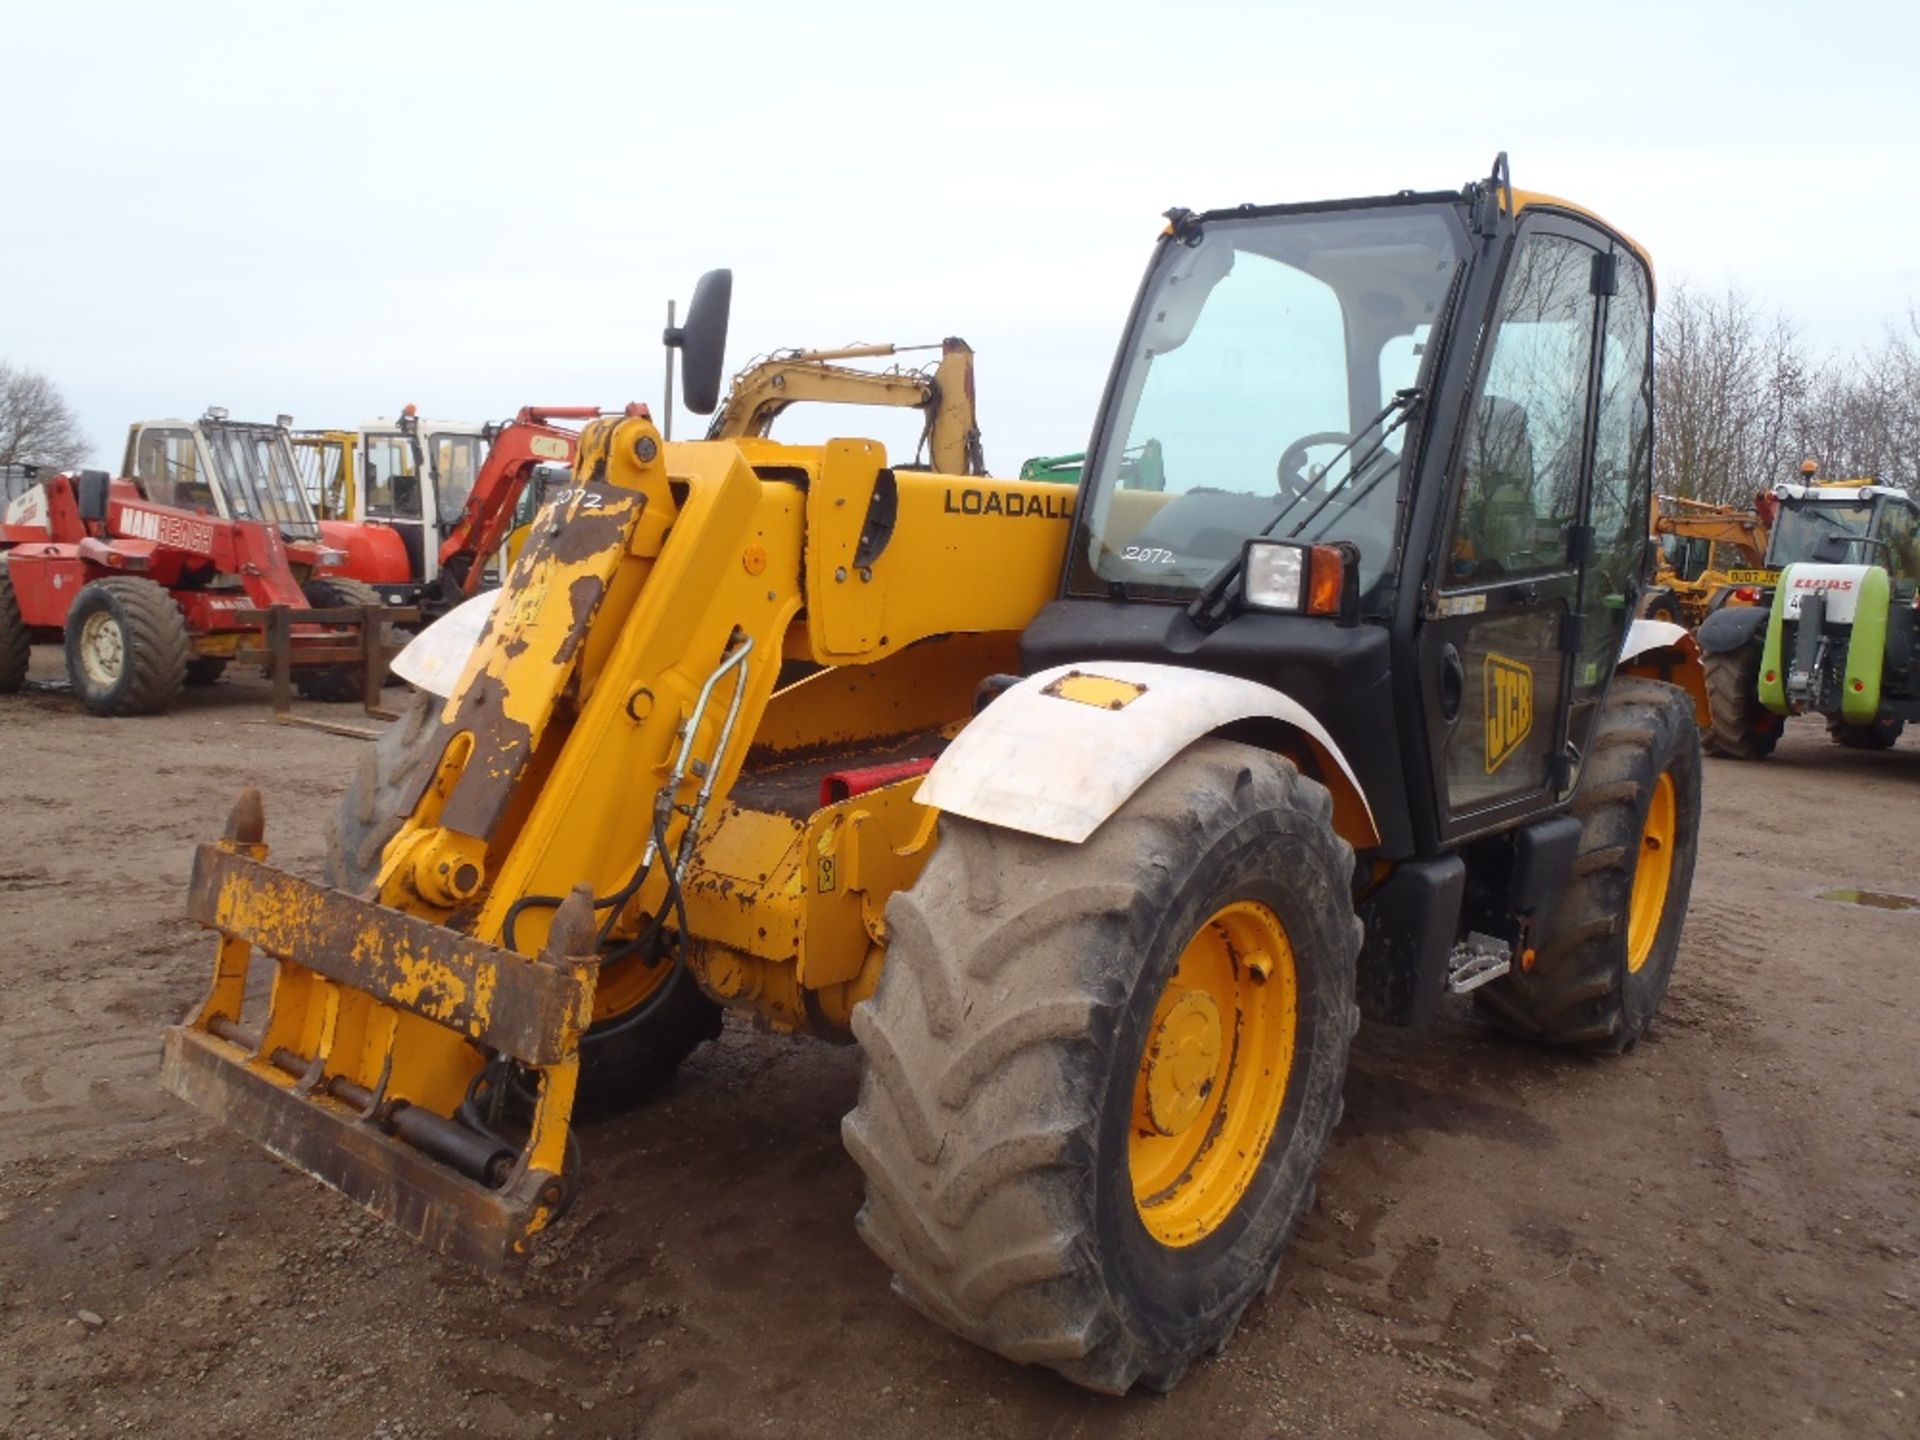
(1716, 1235)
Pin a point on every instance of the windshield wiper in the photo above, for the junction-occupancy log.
(1403, 401)
(1208, 602)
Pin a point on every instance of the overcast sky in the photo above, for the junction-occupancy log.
(332, 209)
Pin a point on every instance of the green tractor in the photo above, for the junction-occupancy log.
(1833, 627)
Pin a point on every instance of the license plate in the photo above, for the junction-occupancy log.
(1753, 577)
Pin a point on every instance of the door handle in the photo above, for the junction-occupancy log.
(1453, 683)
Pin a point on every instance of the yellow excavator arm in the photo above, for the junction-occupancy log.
(942, 393)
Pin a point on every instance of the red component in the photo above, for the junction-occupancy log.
(845, 784)
(375, 553)
(524, 442)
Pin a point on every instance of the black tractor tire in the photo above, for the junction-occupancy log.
(1742, 728)
(620, 1066)
(16, 645)
(127, 647)
(1882, 734)
(338, 684)
(206, 669)
(1582, 989)
(1003, 1046)
(1664, 605)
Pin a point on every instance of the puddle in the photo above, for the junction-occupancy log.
(1872, 899)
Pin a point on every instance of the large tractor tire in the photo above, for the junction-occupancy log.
(1100, 1078)
(1604, 956)
(1743, 728)
(127, 647)
(338, 683)
(1882, 734)
(627, 1054)
(16, 645)
(1664, 605)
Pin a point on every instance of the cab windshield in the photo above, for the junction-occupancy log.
(1798, 528)
(1263, 347)
(259, 479)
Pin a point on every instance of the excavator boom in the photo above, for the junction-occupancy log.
(942, 393)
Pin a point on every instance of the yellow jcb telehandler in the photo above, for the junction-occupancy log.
(1106, 816)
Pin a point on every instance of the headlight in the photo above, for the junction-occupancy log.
(332, 557)
(1309, 579)
(1275, 574)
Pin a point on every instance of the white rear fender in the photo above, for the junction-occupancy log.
(435, 658)
(1058, 753)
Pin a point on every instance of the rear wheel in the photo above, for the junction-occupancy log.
(1605, 954)
(338, 683)
(1743, 728)
(16, 645)
(1101, 1077)
(127, 647)
(626, 1055)
(1883, 734)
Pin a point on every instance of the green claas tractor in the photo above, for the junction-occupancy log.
(1835, 631)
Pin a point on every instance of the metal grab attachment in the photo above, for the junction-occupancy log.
(315, 1080)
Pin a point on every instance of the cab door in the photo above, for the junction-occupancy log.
(1502, 641)
(393, 491)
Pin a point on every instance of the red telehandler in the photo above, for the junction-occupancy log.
(150, 591)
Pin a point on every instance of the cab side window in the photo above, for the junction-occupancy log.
(167, 465)
(1901, 530)
(1519, 486)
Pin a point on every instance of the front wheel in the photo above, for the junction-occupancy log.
(1101, 1077)
(1606, 951)
(1742, 728)
(127, 647)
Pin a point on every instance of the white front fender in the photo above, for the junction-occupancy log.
(1040, 761)
(435, 658)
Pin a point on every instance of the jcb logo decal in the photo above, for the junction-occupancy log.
(1509, 708)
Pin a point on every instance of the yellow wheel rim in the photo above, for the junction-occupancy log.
(1652, 874)
(626, 985)
(1213, 1073)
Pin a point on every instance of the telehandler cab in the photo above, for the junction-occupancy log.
(1106, 816)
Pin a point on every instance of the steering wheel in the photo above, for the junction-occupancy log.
(1291, 471)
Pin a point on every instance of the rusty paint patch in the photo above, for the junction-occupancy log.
(492, 996)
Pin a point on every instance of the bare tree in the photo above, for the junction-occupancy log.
(1861, 417)
(1729, 388)
(36, 425)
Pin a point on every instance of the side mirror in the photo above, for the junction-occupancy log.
(702, 341)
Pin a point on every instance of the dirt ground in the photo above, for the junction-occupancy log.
(1718, 1234)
